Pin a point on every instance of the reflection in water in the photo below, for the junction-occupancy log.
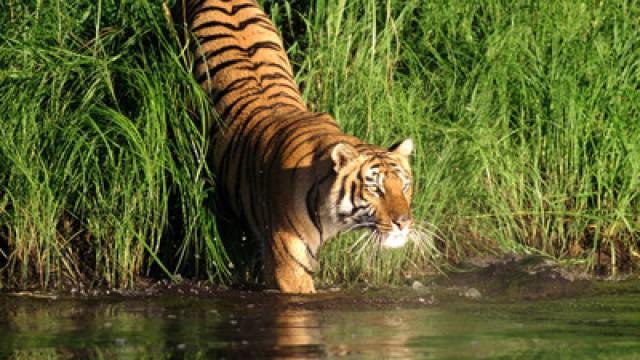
(282, 334)
(156, 328)
(241, 326)
(298, 329)
(45, 329)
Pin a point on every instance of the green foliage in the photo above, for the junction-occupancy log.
(525, 115)
(97, 137)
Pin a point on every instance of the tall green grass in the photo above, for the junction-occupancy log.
(97, 137)
(526, 117)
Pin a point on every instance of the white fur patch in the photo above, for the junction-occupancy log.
(396, 238)
(345, 206)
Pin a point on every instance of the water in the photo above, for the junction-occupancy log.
(350, 325)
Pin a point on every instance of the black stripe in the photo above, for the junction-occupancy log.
(241, 133)
(287, 85)
(309, 251)
(233, 11)
(360, 179)
(202, 40)
(256, 66)
(300, 135)
(319, 153)
(235, 141)
(234, 85)
(251, 68)
(274, 76)
(270, 121)
(227, 111)
(313, 152)
(283, 132)
(269, 87)
(352, 198)
(282, 137)
(303, 266)
(248, 134)
(283, 94)
(295, 230)
(359, 208)
(210, 73)
(243, 141)
(229, 121)
(251, 50)
(343, 190)
(312, 205)
(256, 20)
(285, 121)
(236, 113)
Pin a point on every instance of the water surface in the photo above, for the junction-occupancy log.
(359, 325)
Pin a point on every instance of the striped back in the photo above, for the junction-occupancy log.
(239, 57)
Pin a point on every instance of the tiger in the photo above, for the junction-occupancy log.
(285, 176)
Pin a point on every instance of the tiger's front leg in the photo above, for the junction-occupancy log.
(287, 265)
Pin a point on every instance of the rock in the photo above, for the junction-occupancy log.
(472, 293)
(429, 300)
(417, 285)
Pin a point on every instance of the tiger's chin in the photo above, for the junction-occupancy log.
(395, 239)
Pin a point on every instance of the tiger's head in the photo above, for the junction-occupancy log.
(373, 190)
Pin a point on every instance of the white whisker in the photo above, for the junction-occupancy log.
(423, 238)
(358, 242)
(358, 225)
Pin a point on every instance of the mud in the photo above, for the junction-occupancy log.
(485, 279)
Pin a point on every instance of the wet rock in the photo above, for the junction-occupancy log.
(472, 293)
(417, 285)
(428, 300)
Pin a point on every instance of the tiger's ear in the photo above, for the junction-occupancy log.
(404, 148)
(341, 154)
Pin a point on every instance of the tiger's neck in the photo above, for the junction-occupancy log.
(321, 201)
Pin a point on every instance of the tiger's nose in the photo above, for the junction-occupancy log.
(403, 222)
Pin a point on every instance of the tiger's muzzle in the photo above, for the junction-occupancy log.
(398, 235)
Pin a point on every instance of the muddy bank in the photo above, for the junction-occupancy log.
(487, 279)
